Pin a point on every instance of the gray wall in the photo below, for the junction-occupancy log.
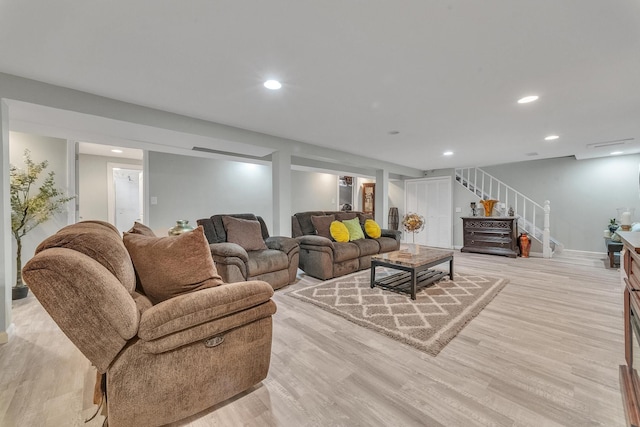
(313, 191)
(54, 150)
(584, 194)
(92, 185)
(192, 188)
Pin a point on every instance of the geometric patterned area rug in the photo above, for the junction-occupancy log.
(427, 323)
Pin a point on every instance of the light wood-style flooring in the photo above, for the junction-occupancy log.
(544, 352)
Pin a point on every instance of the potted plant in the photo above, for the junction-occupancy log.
(29, 210)
(613, 226)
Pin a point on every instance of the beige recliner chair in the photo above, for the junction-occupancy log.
(162, 362)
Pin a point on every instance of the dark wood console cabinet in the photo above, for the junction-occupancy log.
(629, 380)
(497, 235)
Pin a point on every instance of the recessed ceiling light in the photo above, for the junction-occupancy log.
(615, 153)
(448, 153)
(116, 151)
(272, 84)
(527, 99)
(394, 132)
(551, 137)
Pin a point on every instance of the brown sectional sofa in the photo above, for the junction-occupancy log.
(324, 258)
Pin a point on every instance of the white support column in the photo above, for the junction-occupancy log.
(6, 246)
(146, 192)
(382, 197)
(546, 236)
(72, 183)
(281, 189)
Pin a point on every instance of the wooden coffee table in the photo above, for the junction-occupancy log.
(415, 269)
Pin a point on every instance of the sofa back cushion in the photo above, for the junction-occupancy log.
(345, 216)
(100, 241)
(214, 227)
(306, 225)
(173, 265)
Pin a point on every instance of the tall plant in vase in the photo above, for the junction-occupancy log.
(29, 208)
(413, 223)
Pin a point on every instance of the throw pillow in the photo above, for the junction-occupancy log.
(339, 231)
(322, 224)
(355, 229)
(244, 232)
(372, 229)
(139, 228)
(174, 265)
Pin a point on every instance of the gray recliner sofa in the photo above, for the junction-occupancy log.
(276, 264)
(324, 258)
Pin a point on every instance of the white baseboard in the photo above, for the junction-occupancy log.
(4, 335)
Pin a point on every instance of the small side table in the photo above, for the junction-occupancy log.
(612, 248)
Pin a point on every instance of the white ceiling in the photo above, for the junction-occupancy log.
(445, 74)
(108, 151)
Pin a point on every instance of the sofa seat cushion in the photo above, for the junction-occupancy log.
(367, 246)
(261, 262)
(345, 251)
(388, 244)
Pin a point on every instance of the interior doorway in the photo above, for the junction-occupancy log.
(124, 195)
(345, 193)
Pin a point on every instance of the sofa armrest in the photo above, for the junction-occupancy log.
(282, 243)
(310, 241)
(394, 234)
(195, 308)
(226, 250)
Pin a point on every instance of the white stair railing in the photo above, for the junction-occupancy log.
(532, 217)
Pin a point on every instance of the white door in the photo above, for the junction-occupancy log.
(431, 198)
(124, 196)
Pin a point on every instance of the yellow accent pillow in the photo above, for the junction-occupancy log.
(339, 231)
(372, 229)
(355, 229)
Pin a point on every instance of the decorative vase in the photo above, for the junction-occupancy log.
(525, 245)
(393, 218)
(19, 292)
(182, 226)
(488, 206)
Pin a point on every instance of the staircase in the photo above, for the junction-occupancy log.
(532, 217)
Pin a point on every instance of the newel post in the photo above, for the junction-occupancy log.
(546, 245)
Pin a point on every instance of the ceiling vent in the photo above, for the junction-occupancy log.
(611, 143)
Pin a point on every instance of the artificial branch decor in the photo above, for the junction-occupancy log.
(413, 223)
(28, 210)
(488, 206)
